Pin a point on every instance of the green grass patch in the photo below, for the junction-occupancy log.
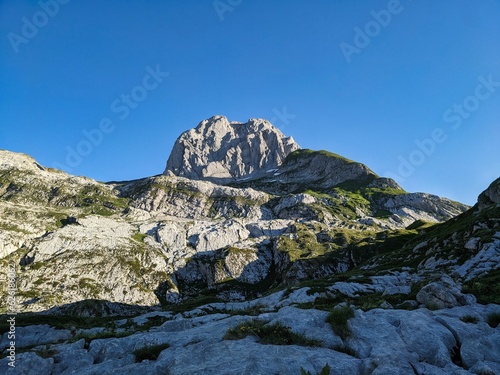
(304, 246)
(307, 153)
(139, 237)
(382, 214)
(274, 334)
(57, 321)
(420, 224)
(338, 319)
(486, 288)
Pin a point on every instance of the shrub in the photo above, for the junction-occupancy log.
(338, 319)
(242, 330)
(493, 319)
(275, 334)
(149, 352)
(469, 319)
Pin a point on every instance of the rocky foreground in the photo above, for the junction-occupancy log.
(282, 333)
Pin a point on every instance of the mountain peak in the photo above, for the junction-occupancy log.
(222, 151)
(14, 160)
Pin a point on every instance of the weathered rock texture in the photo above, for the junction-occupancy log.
(167, 238)
(266, 217)
(380, 341)
(221, 151)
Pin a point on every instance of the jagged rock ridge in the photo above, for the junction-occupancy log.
(221, 151)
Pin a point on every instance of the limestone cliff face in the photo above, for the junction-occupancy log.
(221, 151)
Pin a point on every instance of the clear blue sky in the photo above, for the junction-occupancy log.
(254, 59)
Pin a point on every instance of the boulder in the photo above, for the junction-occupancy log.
(444, 293)
(208, 237)
(35, 335)
(28, 364)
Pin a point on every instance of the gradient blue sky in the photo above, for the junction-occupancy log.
(262, 57)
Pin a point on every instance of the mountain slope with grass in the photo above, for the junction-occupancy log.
(302, 255)
(167, 238)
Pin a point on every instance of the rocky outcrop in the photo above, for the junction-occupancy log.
(221, 151)
(178, 197)
(485, 261)
(490, 195)
(444, 293)
(322, 169)
(422, 206)
(458, 340)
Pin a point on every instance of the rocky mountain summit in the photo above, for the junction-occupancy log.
(253, 256)
(221, 151)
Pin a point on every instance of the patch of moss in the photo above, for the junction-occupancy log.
(90, 285)
(139, 237)
(382, 214)
(305, 153)
(420, 224)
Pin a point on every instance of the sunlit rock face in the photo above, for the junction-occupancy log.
(221, 151)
